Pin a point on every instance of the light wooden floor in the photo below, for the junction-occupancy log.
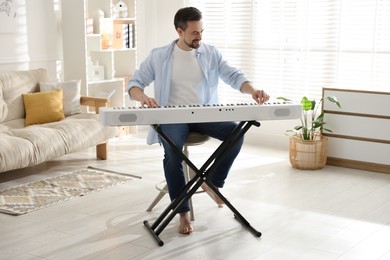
(334, 213)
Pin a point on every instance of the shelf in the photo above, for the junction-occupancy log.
(98, 27)
(124, 49)
(114, 50)
(93, 35)
(123, 20)
(116, 79)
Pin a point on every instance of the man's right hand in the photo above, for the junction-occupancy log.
(140, 96)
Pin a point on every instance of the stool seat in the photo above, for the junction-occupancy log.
(193, 139)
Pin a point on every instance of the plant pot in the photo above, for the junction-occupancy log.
(308, 154)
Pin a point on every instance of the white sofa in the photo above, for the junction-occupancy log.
(22, 146)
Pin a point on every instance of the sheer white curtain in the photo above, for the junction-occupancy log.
(295, 47)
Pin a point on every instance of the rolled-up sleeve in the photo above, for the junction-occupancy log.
(144, 75)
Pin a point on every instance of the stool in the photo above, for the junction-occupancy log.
(193, 139)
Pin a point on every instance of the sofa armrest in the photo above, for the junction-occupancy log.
(94, 102)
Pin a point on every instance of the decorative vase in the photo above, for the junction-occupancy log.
(308, 154)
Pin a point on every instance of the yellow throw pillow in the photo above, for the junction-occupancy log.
(43, 107)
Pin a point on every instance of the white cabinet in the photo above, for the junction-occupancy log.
(99, 43)
(360, 135)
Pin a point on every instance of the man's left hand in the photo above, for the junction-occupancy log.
(260, 96)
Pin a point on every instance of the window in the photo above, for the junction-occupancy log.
(296, 47)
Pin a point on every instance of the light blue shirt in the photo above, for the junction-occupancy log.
(157, 68)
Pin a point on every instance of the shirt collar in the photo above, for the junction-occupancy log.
(200, 50)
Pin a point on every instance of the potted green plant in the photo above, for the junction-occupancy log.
(308, 145)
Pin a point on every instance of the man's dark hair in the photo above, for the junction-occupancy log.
(186, 14)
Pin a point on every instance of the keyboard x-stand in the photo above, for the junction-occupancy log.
(202, 175)
(248, 114)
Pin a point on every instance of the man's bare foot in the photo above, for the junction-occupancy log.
(185, 226)
(212, 194)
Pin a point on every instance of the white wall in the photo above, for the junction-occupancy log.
(155, 26)
(30, 37)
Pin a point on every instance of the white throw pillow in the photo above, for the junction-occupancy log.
(71, 94)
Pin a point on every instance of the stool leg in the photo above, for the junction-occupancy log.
(158, 198)
(187, 177)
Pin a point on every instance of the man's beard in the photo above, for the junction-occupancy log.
(192, 45)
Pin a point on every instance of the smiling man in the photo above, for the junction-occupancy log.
(186, 72)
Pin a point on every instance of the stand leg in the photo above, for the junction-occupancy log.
(237, 214)
(158, 240)
(202, 175)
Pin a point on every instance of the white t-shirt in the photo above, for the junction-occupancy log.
(187, 76)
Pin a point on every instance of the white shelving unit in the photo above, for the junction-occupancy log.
(93, 30)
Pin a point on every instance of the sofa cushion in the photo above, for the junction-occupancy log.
(43, 107)
(82, 130)
(15, 152)
(12, 86)
(71, 94)
(22, 147)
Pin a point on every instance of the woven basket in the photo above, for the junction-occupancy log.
(308, 154)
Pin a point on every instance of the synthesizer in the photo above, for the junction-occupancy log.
(120, 116)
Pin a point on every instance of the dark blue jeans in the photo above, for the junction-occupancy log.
(173, 167)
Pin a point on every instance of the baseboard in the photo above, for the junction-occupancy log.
(367, 166)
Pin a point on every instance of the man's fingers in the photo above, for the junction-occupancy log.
(261, 97)
(149, 102)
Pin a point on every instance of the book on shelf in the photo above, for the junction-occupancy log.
(126, 41)
(123, 36)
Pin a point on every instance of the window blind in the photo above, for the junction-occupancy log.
(293, 48)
